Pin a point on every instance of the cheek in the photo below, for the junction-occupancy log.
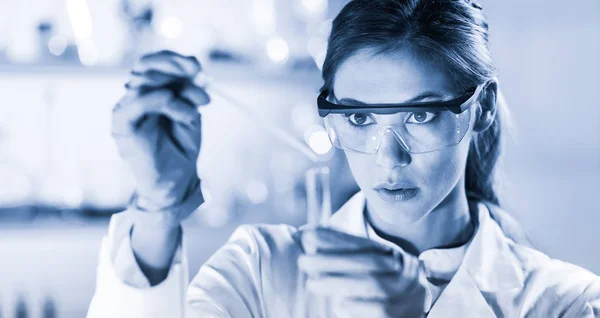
(438, 170)
(442, 169)
(362, 167)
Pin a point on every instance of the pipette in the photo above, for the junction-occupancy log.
(207, 83)
(318, 195)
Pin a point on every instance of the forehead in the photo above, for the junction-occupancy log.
(389, 78)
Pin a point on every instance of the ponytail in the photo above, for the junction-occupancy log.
(481, 180)
(483, 174)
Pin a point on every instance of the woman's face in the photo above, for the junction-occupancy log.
(428, 178)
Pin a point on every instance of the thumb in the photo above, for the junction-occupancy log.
(322, 239)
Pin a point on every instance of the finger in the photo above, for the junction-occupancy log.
(196, 95)
(188, 136)
(329, 240)
(168, 62)
(356, 263)
(129, 96)
(134, 106)
(151, 79)
(158, 62)
(353, 307)
(187, 139)
(126, 118)
(190, 64)
(357, 286)
(356, 308)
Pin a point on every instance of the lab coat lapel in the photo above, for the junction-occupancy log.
(461, 298)
(488, 266)
(489, 260)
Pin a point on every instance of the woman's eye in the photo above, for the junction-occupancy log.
(421, 118)
(360, 119)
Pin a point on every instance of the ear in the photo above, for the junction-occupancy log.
(487, 100)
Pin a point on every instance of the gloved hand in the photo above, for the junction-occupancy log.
(361, 277)
(157, 129)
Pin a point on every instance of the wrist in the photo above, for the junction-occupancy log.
(165, 199)
(145, 203)
(169, 217)
(148, 230)
(154, 250)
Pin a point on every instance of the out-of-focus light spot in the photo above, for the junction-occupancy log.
(308, 131)
(88, 54)
(81, 23)
(315, 6)
(278, 50)
(171, 27)
(57, 45)
(264, 16)
(319, 142)
(257, 191)
(81, 19)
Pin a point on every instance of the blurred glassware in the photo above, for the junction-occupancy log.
(318, 196)
(139, 17)
(21, 309)
(49, 307)
(318, 208)
(44, 33)
(54, 48)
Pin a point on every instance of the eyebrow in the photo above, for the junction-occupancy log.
(354, 102)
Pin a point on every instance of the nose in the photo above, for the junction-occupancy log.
(391, 153)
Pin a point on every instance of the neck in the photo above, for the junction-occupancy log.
(447, 225)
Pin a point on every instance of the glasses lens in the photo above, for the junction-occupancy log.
(419, 131)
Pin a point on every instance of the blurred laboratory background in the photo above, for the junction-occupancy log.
(63, 64)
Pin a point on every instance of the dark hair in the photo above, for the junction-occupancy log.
(450, 34)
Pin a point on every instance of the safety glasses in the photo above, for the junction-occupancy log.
(418, 127)
(456, 105)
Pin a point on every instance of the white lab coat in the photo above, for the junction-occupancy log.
(254, 275)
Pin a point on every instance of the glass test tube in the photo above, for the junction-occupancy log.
(318, 204)
(318, 196)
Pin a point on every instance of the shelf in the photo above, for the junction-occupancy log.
(220, 71)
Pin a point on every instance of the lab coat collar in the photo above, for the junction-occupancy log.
(489, 260)
(488, 265)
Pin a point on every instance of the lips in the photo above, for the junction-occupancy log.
(397, 195)
(396, 191)
(394, 186)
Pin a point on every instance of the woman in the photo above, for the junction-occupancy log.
(410, 95)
